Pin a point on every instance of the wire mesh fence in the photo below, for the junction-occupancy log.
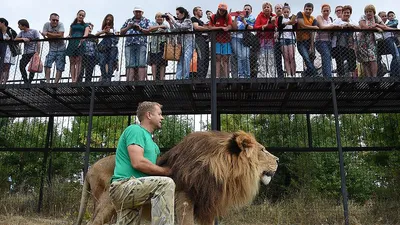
(189, 55)
(277, 131)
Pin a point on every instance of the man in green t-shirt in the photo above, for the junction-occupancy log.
(137, 179)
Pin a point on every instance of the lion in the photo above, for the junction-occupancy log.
(213, 171)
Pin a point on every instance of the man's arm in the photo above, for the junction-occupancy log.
(139, 162)
(199, 28)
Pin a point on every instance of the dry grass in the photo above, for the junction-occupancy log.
(32, 220)
(298, 209)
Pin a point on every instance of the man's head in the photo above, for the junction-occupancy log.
(138, 12)
(197, 12)
(339, 11)
(347, 11)
(3, 23)
(278, 9)
(248, 9)
(308, 9)
(150, 114)
(23, 24)
(54, 18)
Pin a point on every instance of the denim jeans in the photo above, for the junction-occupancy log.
(304, 48)
(324, 48)
(243, 57)
(395, 64)
(183, 67)
(108, 58)
(88, 64)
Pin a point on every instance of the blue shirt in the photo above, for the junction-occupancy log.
(140, 40)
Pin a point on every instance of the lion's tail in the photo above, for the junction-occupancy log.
(84, 200)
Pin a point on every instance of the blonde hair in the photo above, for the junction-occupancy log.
(370, 7)
(145, 107)
(267, 3)
(158, 14)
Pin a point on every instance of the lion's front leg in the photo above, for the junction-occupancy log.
(183, 209)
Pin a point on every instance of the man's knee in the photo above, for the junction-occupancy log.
(168, 182)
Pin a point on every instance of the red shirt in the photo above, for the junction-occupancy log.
(222, 37)
(261, 21)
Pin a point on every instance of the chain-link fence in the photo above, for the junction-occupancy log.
(189, 55)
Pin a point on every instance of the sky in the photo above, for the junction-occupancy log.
(37, 12)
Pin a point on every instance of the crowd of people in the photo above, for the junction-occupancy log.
(268, 49)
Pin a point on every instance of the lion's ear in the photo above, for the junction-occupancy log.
(241, 141)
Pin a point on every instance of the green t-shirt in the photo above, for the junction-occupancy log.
(133, 135)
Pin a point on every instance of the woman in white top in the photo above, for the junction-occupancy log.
(323, 39)
(287, 40)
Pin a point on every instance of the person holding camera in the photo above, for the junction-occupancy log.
(108, 48)
(243, 21)
(136, 46)
(182, 22)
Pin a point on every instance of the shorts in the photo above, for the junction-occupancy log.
(55, 56)
(287, 41)
(223, 48)
(157, 58)
(135, 56)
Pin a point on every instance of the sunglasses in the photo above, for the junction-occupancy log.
(54, 20)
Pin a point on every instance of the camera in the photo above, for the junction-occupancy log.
(165, 16)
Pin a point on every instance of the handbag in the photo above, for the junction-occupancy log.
(193, 63)
(15, 49)
(35, 65)
(172, 50)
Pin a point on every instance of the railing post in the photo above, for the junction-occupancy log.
(341, 158)
(89, 133)
(214, 119)
(309, 131)
(48, 144)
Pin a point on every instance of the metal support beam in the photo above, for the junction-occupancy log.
(89, 134)
(309, 131)
(214, 119)
(48, 145)
(341, 158)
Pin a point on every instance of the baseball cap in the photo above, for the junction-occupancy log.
(138, 9)
(223, 6)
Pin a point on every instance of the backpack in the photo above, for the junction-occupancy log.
(15, 47)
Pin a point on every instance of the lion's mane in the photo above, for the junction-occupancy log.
(217, 170)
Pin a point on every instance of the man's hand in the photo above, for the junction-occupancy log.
(167, 171)
(44, 34)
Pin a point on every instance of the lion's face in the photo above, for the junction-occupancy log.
(248, 147)
(268, 164)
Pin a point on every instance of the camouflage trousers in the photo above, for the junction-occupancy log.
(129, 195)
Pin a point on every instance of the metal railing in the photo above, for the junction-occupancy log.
(187, 55)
